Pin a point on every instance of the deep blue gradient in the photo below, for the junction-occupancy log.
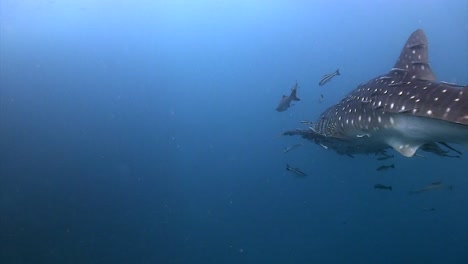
(145, 132)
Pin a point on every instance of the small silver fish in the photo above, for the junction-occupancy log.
(327, 77)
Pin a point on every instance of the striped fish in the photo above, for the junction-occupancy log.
(327, 77)
(296, 171)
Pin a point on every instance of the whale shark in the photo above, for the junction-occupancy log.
(405, 109)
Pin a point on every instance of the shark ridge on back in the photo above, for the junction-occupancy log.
(405, 109)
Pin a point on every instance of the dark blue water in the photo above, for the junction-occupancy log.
(145, 132)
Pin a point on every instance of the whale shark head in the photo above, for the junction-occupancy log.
(403, 109)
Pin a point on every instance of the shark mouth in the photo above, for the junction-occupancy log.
(405, 109)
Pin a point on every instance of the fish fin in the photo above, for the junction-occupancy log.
(405, 149)
(414, 56)
(293, 95)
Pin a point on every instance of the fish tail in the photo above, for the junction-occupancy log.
(293, 95)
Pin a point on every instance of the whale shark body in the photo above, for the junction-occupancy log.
(405, 109)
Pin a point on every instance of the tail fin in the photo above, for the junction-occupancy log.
(293, 95)
(338, 72)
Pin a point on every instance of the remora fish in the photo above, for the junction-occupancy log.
(385, 157)
(296, 171)
(436, 149)
(385, 167)
(285, 102)
(306, 122)
(287, 149)
(431, 187)
(327, 77)
(383, 187)
(404, 109)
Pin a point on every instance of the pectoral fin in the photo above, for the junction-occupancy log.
(407, 149)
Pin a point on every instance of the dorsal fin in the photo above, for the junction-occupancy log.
(413, 62)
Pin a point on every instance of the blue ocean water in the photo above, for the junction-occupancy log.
(145, 132)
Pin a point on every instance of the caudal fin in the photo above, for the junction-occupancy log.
(293, 95)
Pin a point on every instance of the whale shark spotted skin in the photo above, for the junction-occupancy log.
(405, 109)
